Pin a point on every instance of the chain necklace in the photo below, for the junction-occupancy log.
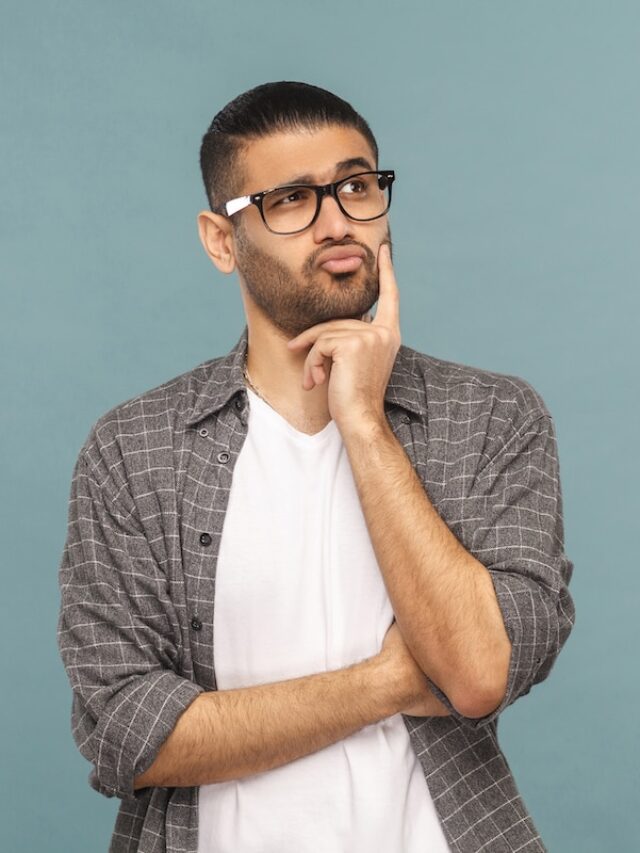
(253, 387)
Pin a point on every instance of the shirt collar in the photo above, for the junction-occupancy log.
(225, 377)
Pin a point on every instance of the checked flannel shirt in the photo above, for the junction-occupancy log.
(147, 504)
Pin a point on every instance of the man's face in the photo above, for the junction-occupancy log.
(281, 273)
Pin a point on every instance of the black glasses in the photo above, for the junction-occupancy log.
(289, 209)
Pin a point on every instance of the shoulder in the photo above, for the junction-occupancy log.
(470, 382)
(149, 422)
(464, 401)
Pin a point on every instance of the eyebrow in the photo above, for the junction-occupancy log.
(339, 167)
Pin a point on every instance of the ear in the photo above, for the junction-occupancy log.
(216, 237)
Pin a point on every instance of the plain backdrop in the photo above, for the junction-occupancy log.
(513, 128)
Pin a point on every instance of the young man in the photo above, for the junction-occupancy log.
(302, 580)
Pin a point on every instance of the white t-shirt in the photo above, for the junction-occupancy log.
(299, 591)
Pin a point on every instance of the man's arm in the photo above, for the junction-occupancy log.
(442, 596)
(485, 625)
(118, 630)
(228, 734)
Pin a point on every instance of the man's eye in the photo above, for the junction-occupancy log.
(287, 197)
(358, 184)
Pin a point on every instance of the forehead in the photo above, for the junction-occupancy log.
(304, 156)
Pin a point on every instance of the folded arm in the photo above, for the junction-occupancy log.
(482, 600)
(134, 717)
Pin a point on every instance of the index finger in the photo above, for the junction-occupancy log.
(388, 310)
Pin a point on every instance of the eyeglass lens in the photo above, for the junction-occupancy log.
(292, 208)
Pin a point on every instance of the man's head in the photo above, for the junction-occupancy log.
(278, 134)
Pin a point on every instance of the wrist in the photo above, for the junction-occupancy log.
(389, 681)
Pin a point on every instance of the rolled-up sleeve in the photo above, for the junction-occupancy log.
(118, 636)
(514, 527)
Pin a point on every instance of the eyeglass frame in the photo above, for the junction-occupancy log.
(235, 205)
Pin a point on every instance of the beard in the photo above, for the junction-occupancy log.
(293, 303)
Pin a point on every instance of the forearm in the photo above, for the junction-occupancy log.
(442, 596)
(228, 734)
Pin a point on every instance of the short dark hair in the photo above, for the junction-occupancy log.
(268, 108)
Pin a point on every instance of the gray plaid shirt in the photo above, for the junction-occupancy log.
(137, 578)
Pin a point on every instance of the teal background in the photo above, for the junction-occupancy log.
(513, 128)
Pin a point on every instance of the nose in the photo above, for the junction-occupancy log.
(331, 221)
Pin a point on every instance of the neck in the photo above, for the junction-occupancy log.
(276, 374)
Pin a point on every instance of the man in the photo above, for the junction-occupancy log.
(380, 532)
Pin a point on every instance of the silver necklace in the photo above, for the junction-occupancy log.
(248, 378)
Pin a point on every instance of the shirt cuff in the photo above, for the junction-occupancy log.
(133, 726)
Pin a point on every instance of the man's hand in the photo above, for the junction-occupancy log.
(361, 355)
(399, 660)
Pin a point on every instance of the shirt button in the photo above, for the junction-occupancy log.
(204, 432)
(223, 456)
(406, 419)
(205, 539)
(196, 624)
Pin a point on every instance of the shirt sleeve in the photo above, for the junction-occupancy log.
(514, 527)
(118, 636)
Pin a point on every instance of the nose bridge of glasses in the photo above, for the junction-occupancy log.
(331, 191)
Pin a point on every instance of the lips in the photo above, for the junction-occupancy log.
(342, 259)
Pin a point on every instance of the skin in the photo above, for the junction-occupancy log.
(283, 288)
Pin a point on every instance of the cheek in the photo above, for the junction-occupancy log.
(248, 251)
